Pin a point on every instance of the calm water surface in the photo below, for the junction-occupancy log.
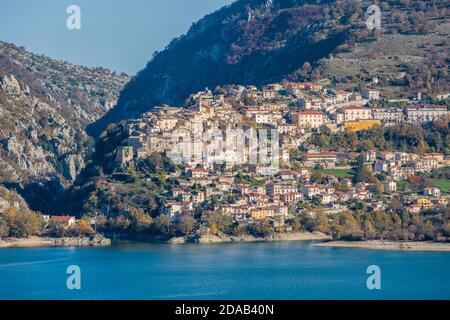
(278, 270)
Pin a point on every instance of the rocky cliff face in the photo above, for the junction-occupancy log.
(10, 199)
(44, 107)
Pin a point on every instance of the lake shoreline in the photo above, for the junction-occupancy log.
(291, 236)
(323, 241)
(221, 238)
(41, 241)
(389, 245)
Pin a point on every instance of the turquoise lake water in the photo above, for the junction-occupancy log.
(278, 270)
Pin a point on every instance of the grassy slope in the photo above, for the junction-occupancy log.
(341, 173)
(370, 59)
(442, 184)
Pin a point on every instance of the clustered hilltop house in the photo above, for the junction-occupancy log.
(276, 196)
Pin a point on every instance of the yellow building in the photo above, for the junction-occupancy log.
(360, 125)
(424, 203)
(262, 213)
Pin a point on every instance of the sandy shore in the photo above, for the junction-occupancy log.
(27, 242)
(389, 245)
(292, 236)
(33, 242)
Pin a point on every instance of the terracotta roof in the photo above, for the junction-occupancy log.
(308, 112)
(354, 108)
(426, 106)
(321, 154)
(61, 218)
(314, 186)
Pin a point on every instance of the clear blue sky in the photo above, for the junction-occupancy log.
(118, 34)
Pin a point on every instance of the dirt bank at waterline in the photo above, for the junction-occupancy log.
(389, 245)
(292, 236)
(32, 242)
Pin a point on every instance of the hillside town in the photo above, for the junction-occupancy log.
(304, 181)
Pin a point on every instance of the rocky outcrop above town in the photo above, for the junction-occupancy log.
(45, 105)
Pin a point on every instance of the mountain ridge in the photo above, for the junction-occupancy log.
(249, 42)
